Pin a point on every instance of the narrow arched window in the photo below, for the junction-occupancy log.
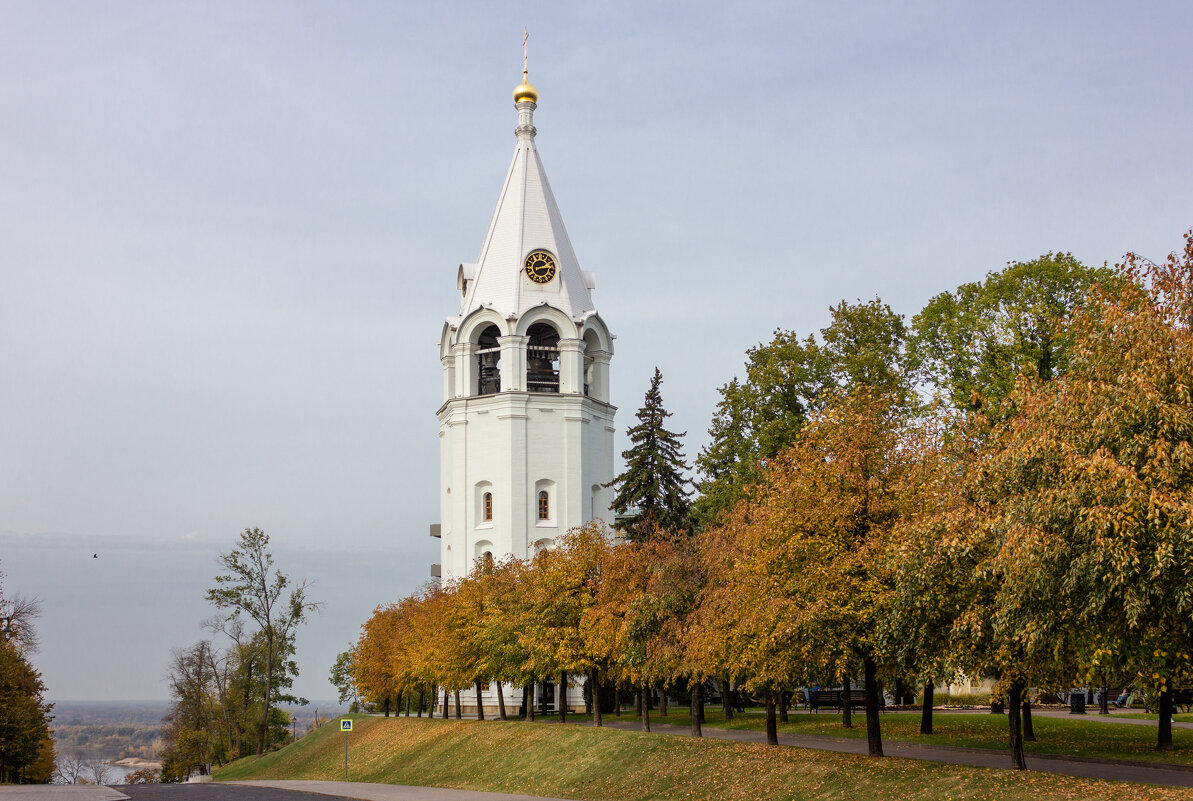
(488, 506)
(488, 558)
(544, 506)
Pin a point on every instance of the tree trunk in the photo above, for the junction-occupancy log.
(772, 730)
(268, 691)
(561, 702)
(639, 698)
(500, 701)
(697, 704)
(846, 712)
(617, 706)
(480, 702)
(873, 725)
(459, 712)
(700, 705)
(594, 682)
(783, 696)
(646, 708)
(1029, 734)
(385, 706)
(926, 712)
(241, 745)
(1164, 733)
(726, 702)
(1014, 706)
(525, 710)
(663, 700)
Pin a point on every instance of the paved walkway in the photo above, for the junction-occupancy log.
(390, 792)
(1172, 776)
(59, 792)
(1111, 718)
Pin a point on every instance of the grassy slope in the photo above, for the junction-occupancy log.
(606, 764)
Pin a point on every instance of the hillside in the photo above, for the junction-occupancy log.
(608, 764)
(108, 729)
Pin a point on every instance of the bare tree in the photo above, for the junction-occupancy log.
(95, 770)
(221, 665)
(16, 621)
(69, 769)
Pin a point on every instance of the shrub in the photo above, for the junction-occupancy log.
(142, 776)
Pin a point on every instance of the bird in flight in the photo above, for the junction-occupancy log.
(94, 556)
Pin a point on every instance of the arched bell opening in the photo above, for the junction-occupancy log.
(542, 358)
(594, 380)
(488, 355)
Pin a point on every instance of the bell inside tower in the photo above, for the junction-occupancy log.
(488, 354)
(542, 358)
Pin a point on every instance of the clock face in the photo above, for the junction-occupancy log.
(540, 266)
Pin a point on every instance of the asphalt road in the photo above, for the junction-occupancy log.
(250, 791)
(213, 791)
(310, 791)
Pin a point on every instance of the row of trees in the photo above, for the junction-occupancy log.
(26, 744)
(576, 610)
(225, 692)
(1002, 489)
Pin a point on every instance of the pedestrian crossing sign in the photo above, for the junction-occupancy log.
(345, 725)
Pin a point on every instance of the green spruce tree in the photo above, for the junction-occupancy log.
(652, 490)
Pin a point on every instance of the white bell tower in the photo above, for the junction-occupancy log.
(526, 428)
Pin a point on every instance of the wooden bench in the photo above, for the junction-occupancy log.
(835, 699)
(1113, 694)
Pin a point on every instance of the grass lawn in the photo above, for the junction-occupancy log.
(1070, 737)
(613, 765)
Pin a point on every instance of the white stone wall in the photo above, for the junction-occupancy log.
(513, 444)
(513, 699)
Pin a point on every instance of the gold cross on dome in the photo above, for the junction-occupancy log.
(525, 36)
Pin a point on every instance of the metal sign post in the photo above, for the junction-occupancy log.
(346, 726)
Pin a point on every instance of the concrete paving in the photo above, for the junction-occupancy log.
(389, 792)
(59, 792)
(1111, 718)
(1167, 775)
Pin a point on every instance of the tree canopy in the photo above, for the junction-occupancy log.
(1034, 525)
(787, 381)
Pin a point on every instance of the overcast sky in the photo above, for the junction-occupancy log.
(229, 235)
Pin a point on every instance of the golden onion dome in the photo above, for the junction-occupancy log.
(524, 91)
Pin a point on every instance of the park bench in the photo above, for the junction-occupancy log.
(1114, 693)
(835, 699)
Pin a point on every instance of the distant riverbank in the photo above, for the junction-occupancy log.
(126, 735)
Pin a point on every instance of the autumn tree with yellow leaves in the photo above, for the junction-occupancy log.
(1097, 471)
(1040, 536)
(802, 583)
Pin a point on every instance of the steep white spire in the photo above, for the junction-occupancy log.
(526, 219)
